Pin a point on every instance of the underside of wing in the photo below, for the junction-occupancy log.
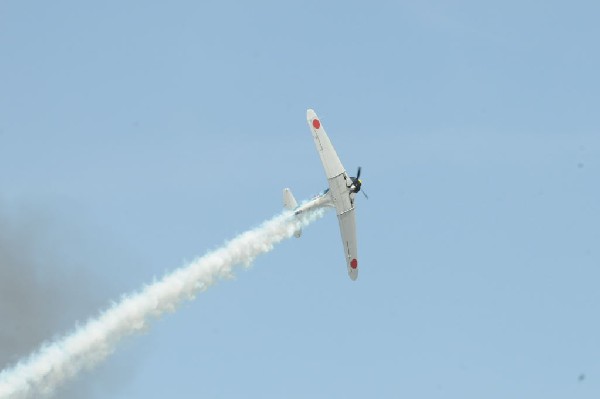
(348, 231)
(331, 162)
(339, 191)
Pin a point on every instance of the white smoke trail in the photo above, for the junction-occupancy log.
(53, 363)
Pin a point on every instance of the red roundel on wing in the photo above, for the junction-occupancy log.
(354, 264)
(316, 123)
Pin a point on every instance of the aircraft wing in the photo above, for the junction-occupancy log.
(348, 230)
(329, 158)
(339, 191)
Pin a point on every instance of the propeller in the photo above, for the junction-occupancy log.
(357, 182)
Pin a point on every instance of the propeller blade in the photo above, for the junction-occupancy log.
(365, 194)
(358, 173)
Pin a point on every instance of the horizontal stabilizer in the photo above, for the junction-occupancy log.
(290, 203)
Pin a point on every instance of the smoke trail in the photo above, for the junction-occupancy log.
(37, 295)
(44, 370)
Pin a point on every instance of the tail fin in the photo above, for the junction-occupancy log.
(290, 203)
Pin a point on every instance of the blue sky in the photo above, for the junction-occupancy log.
(137, 135)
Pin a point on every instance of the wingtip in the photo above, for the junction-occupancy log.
(310, 113)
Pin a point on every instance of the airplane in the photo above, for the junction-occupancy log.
(340, 194)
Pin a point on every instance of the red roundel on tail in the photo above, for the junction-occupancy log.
(354, 264)
(316, 123)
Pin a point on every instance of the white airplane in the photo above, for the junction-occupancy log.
(340, 194)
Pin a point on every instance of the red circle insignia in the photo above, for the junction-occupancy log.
(316, 123)
(354, 264)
